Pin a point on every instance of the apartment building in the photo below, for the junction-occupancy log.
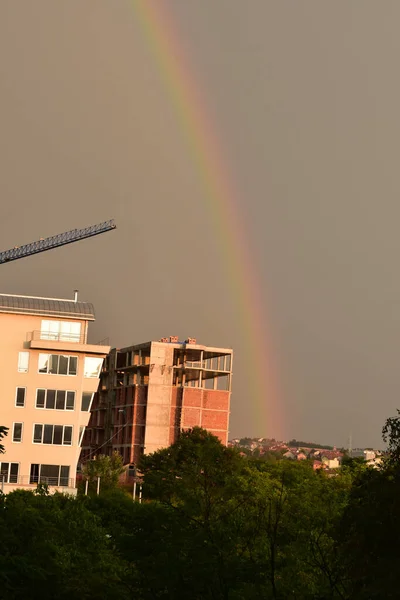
(49, 374)
(149, 392)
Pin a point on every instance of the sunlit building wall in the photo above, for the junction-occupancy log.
(150, 392)
(49, 374)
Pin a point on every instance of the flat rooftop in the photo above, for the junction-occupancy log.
(180, 345)
(46, 307)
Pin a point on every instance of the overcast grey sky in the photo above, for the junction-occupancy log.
(306, 96)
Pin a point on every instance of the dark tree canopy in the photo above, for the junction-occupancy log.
(214, 524)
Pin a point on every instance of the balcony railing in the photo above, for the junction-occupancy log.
(197, 364)
(26, 480)
(73, 338)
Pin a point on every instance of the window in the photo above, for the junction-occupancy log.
(58, 364)
(92, 366)
(87, 398)
(20, 397)
(17, 432)
(81, 433)
(9, 472)
(55, 399)
(59, 435)
(50, 474)
(64, 331)
(23, 362)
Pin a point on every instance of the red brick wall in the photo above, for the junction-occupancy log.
(208, 409)
(213, 419)
(190, 407)
(191, 417)
(215, 399)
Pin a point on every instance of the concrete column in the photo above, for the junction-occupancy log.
(201, 370)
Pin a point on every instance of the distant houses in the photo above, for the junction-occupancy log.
(326, 458)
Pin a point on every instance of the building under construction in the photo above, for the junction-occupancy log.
(150, 392)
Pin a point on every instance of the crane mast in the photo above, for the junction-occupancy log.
(42, 245)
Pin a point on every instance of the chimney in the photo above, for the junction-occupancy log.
(76, 295)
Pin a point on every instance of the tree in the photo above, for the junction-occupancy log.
(3, 433)
(295, 530)
(370, 527)
(370, 531)
(205, 486)
(159, 547)
(54, 547)
(214, 525)
(391, 436)
(108, 468)
(194, 472)
(249, 528)
(246, 441)
(354, 465)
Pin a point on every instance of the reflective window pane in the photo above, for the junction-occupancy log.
(73, 365)
(92, 366)
(40, 398)
(50, 399)
(53, 368)
(23, 362)
(20, 398)
(81, 432)
(17, 432)
(86, 401)
(60, 400)
(43, 363)
(70, 400)
(64, 476)
(67, 435)
(49, 474)
(37, 434)
(70, 331)
(75, 331)
(58, 431)
(34, 476)
(50, 330)
(48, 434)
(13, 477)
(63, 365)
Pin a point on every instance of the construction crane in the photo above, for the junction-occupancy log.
(55, 241)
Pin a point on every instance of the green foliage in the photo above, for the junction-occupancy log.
(246, 441)
(370, 527)
(53, 547)
(370, 534)
(355, 465)
(257, 528)
(214, 525)
(108, 468)
(42, 489)
(297, 444)
(3, 433)
(391, 436)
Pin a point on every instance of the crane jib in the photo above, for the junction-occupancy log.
(56, 241)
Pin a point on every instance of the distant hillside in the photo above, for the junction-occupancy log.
(299, 444)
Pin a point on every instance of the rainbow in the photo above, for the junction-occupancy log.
(223, 205)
